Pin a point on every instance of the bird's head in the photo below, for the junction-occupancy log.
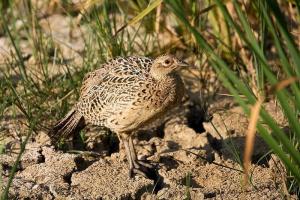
(165, 65)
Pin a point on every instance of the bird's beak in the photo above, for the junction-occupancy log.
(183, 64)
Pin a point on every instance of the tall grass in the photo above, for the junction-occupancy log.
(272, 23)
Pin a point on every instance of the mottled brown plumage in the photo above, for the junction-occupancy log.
(124, 95)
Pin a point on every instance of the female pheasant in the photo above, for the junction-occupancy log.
(124, 95)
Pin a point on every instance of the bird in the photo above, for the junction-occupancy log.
(124, 95)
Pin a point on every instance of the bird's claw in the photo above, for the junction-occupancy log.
(144, 169)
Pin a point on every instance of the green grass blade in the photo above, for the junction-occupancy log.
(282, 55)
(236, 87)
(21, 63)
(145, 12)
(280, 135)
(283, 95)
(281, 154)
(292, 47)
(141, 15)
(5, 193)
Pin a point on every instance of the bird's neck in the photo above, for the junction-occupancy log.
(160, 76)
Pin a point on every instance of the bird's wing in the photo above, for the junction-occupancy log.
(115, 84)
(130, 66)
(92, 79)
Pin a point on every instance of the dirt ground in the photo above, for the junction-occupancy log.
(190, 164)
(196, 158)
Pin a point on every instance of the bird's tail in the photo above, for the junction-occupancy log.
(71, 124)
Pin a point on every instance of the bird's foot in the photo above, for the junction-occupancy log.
(144, 169)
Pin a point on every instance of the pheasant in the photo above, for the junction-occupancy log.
(125, 94)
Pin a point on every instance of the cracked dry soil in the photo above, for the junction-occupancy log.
(191, 164)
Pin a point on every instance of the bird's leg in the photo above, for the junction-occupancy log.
(135, 161)
(135, 166)
(128, 154)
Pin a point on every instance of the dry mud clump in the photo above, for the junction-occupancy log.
(195, 165)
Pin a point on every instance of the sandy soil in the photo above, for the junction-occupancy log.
(199, 165)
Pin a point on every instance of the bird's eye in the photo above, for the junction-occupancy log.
(167, 62)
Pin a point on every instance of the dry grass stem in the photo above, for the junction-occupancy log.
(250, 137)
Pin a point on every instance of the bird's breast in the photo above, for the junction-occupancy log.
(153, 103)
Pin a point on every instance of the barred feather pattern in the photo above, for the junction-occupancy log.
(72, 123)
(123, 95)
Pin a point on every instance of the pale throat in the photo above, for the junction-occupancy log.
(158, 74)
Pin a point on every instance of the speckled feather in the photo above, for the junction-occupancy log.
(118, 94)
(123, 95)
